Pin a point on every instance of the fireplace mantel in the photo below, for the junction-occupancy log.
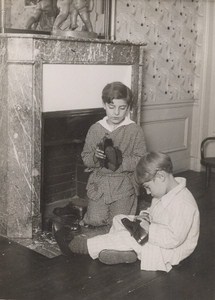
(21, 95)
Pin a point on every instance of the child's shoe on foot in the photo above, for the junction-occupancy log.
(113, 257)
(79, 244)
(63, 236)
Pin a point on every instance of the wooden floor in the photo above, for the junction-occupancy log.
(25, 274)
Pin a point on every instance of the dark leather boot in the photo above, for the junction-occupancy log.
(114, 158)
(113, 154)
(138, 232)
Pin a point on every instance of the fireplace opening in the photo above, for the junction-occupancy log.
(64, 175)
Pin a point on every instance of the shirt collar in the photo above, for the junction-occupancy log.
(171, 194)
(104, 123)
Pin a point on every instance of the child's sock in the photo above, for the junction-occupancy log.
(79, 245)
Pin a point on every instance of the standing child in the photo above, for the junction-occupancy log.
(112, 150)
(160, 237)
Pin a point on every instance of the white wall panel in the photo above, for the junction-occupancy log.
(171, 134)
(168, 129)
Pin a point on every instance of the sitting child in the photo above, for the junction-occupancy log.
(160, 237)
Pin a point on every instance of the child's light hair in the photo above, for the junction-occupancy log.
(117, 90)
(150, 163)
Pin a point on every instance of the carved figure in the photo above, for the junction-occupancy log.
(74, 8)
(43, 16)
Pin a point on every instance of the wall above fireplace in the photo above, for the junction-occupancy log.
(79, 86)
(23, 58)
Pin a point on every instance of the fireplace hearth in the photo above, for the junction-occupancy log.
(64, 176)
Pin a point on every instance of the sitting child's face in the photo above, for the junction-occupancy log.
(156, 187)
(116, 111)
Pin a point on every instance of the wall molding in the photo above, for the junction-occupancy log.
(175, 105)
(161, 127)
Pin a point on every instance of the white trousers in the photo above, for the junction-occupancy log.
(118, 238)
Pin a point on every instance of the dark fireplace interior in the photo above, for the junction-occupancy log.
(63, 174)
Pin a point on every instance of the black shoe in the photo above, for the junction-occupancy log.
(138, 232)
(63, 236)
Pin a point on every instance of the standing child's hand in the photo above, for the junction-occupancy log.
(100, 154)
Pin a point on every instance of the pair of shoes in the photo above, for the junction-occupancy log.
(113, 257)
(138, 232)
(63, 236)
(66, 221)
(75, 211)
(65, 210)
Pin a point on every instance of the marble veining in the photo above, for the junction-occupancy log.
(3, 138)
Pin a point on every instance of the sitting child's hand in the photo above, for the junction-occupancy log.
(144, 220)
(143, 215)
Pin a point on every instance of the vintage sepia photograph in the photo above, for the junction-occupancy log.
(107, 152)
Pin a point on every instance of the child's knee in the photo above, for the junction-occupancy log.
(95, 220)
(118, 218)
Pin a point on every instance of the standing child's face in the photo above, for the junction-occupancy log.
(116, 111)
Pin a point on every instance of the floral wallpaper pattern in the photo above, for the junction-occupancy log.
(172, 31)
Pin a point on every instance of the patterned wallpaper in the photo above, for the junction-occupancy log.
(172, 31)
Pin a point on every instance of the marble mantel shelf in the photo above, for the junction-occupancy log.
(22, 59)
(68, 38)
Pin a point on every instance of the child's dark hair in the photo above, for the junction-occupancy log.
(150, 163)
(117, 90)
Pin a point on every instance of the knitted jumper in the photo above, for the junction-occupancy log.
(104, 182)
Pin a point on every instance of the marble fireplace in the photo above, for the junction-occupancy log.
(23, 57)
